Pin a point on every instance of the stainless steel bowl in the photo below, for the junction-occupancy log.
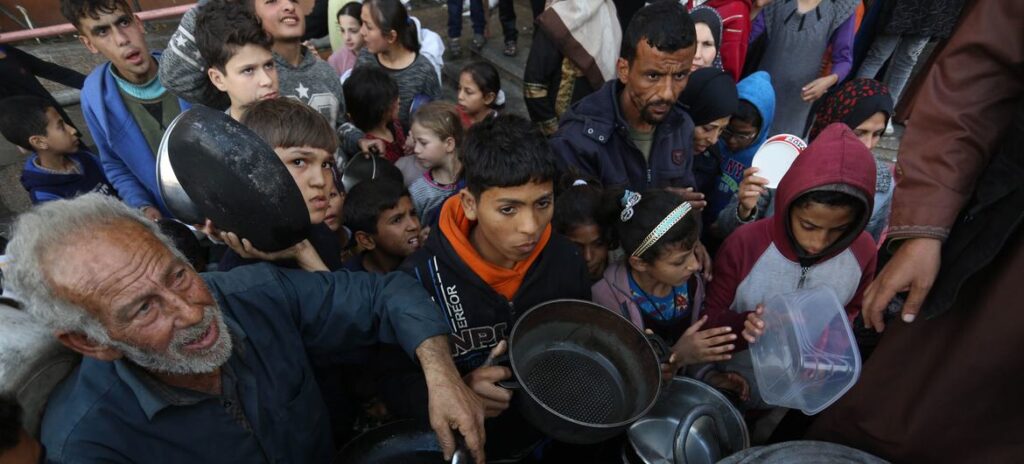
(692, 423)
(174, 196)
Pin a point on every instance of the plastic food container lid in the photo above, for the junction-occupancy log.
(807, 358)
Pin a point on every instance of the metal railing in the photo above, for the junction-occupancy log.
(67, 28)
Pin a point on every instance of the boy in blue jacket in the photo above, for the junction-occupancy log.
(126, 107)
(57, 168)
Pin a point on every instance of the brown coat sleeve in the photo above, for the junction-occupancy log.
(960, 113)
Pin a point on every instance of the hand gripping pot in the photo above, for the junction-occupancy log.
(807, 358)
(233, 178)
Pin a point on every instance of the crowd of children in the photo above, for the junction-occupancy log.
(644, 199)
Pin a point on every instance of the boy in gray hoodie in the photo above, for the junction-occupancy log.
(301, 75)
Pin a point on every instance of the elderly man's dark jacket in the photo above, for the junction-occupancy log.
(283, 323)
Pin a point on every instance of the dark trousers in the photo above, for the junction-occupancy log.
(507, 15)
(538, 7)
(476, 16)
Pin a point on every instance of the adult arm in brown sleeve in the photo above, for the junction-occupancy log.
(962, 110)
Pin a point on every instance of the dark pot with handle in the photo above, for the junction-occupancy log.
(232, 177)
(582, 374)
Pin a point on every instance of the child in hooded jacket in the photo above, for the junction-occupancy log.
(748, 128)
(827, 197)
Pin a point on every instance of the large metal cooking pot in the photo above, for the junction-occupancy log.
(174, 196)
(692, 423)
(401, 442)
(406, 441)
(233, 178)
(583, 373)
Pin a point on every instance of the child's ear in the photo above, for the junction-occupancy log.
(449, 145)
(217, 78)
(392, 36)
(468, 204)
(489, 98)
(638, 264)
(364, 240)
(38, 142)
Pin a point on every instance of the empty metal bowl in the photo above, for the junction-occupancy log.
(692, 423)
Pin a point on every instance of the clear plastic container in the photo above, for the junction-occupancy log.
(807, 358)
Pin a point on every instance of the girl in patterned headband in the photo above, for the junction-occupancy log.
(658, 285)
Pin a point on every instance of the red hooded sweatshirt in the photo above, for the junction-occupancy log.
(761, 259)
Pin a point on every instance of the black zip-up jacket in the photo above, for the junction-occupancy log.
(478, 316)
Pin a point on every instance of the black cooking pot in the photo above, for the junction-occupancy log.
(401, 442)
(583, 373)
(235, 179)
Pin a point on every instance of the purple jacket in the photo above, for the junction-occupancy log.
(612, 292)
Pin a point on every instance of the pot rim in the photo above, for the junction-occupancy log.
(526, 388)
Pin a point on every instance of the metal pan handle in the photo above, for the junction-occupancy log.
(683, 431)
(661, 349)
(503, 360)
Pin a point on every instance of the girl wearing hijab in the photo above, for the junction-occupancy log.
(709, 36)
(710, 98)
(735, 31)
(865, 106)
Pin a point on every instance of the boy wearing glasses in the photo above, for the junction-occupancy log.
(747, 130)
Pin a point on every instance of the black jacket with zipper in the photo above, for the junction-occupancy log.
(478, 316)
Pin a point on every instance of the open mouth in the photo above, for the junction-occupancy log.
(414, 241)
(134, 57)
(290, 20)
(204, 340)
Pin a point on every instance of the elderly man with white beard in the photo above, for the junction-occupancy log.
(183, 367)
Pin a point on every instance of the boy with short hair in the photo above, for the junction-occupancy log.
(57, 167)
(491, 257)
(125, 106)
(816, 239)
(238, 53)
(305, 143)
(301, 74)
(384, 224)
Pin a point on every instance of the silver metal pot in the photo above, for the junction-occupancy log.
(174, 196)
(692, 423)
